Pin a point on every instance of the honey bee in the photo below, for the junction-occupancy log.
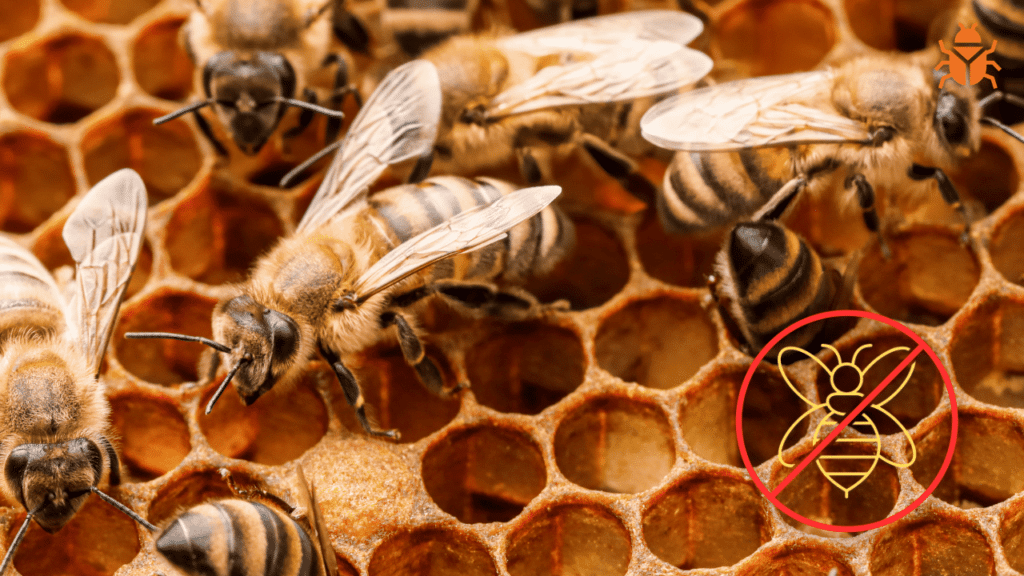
(56, 448)
(766, 278)
(748, 147)
(411, 26)
(355, 262)
(236, 537)
(252, 57)
(507, 98)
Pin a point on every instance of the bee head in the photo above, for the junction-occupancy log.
(54, 479)
(249, 94)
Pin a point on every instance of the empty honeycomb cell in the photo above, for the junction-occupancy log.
(797, 562)
(109, 11)
(96, 542)
(1007, 239)
(590, 275)
(859, 489)
(679, 259)
(1011, 536)
(917, 399)
(143, 269)
(190, 490)
(896, 24)
(616, 445)
(19, 18)
(660, 342)
(525, 368)
(153, 435)
(987, 351)
(166, 156)
(568, 540)
(929, 277)
(484, 473)
(62, 79)
(216, 234)
(277, 428)
(164, 361)
(705, 522)
(989, 177)
(986, 461)
(431, 552)
(777, 37)
(345, 568)
(939, 546)
(161, 65)
(394, 395)
(707, 416)
(35, 180)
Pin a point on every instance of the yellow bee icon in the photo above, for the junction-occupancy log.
(842, 479)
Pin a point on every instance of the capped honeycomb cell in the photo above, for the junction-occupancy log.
(153, 435)
(525, 368)
(121, 12)
(164, 361)
(938, 545)
(162, 67)
(705, 522)
(660, 342)
(35, 179)
(431, 552)
(987, 352)
(678, 259)
(777, 37)
(569, 539)
(616, 445)
(928, 278)
(483, 473)
(19, 19)
(62, 79)
(166, 156)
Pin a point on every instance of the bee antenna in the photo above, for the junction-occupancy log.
(287, 180)
(227, 380)
(131, 513)
(993, 122)
(17, 538)
(182, 111)
(184, 337)
(311, 107)
(999, 96)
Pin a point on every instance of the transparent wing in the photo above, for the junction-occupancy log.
(606, 33)
(769, 111)
(23, 272)
(398, 122)
(104, 235)
(634, 69)
(465, 232)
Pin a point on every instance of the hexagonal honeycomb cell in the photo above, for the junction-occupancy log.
(598, 437)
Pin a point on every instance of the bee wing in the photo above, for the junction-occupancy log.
(19, 262)
(606, 33)
(398, 122)
(104, 235)
(635, 69)
(307, 499)
(468, 231)
(770, 111)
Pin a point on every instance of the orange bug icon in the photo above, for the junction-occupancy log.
(970, 65)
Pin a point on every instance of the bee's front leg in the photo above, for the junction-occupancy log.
(621, 167)
(353, 394)
(416, 355)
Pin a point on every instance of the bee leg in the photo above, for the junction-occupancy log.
(620, 167)
(776, 206)
(348, 29)
(422, 168)
(948, 191)
(204, 127)
(416, 356)
(486, 297)
(353, 394)
(115, 462)
(336, 100)
(866, 198)
(528, 166)
(305, 117)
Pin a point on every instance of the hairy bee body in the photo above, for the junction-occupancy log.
(1001, 21)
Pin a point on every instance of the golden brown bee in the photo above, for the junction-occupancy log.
(766, 278)
(354, 263)
(53, 413)
(252, 57)
(748, 147)
(411, 26)
(236, 537)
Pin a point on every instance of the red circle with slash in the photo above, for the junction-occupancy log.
(772, 495)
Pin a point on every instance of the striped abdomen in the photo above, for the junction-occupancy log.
(30, 301)
(238, 538)
(1003, 20)
(703, 190)
(418, 25)
(531, 248)
(771, 278)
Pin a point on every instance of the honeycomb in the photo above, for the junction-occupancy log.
(599, 440)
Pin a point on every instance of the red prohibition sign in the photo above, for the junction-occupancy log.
(773, 496)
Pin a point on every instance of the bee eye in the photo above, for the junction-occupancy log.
(951, 117)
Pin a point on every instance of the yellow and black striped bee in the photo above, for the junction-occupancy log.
(236, 537)
(748, 146)
(355, 262)
(766, 278)
(252, 57)
(411, 26)
(54, 429)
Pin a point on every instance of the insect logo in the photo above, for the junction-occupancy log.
(848, 470)
(968, 65)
